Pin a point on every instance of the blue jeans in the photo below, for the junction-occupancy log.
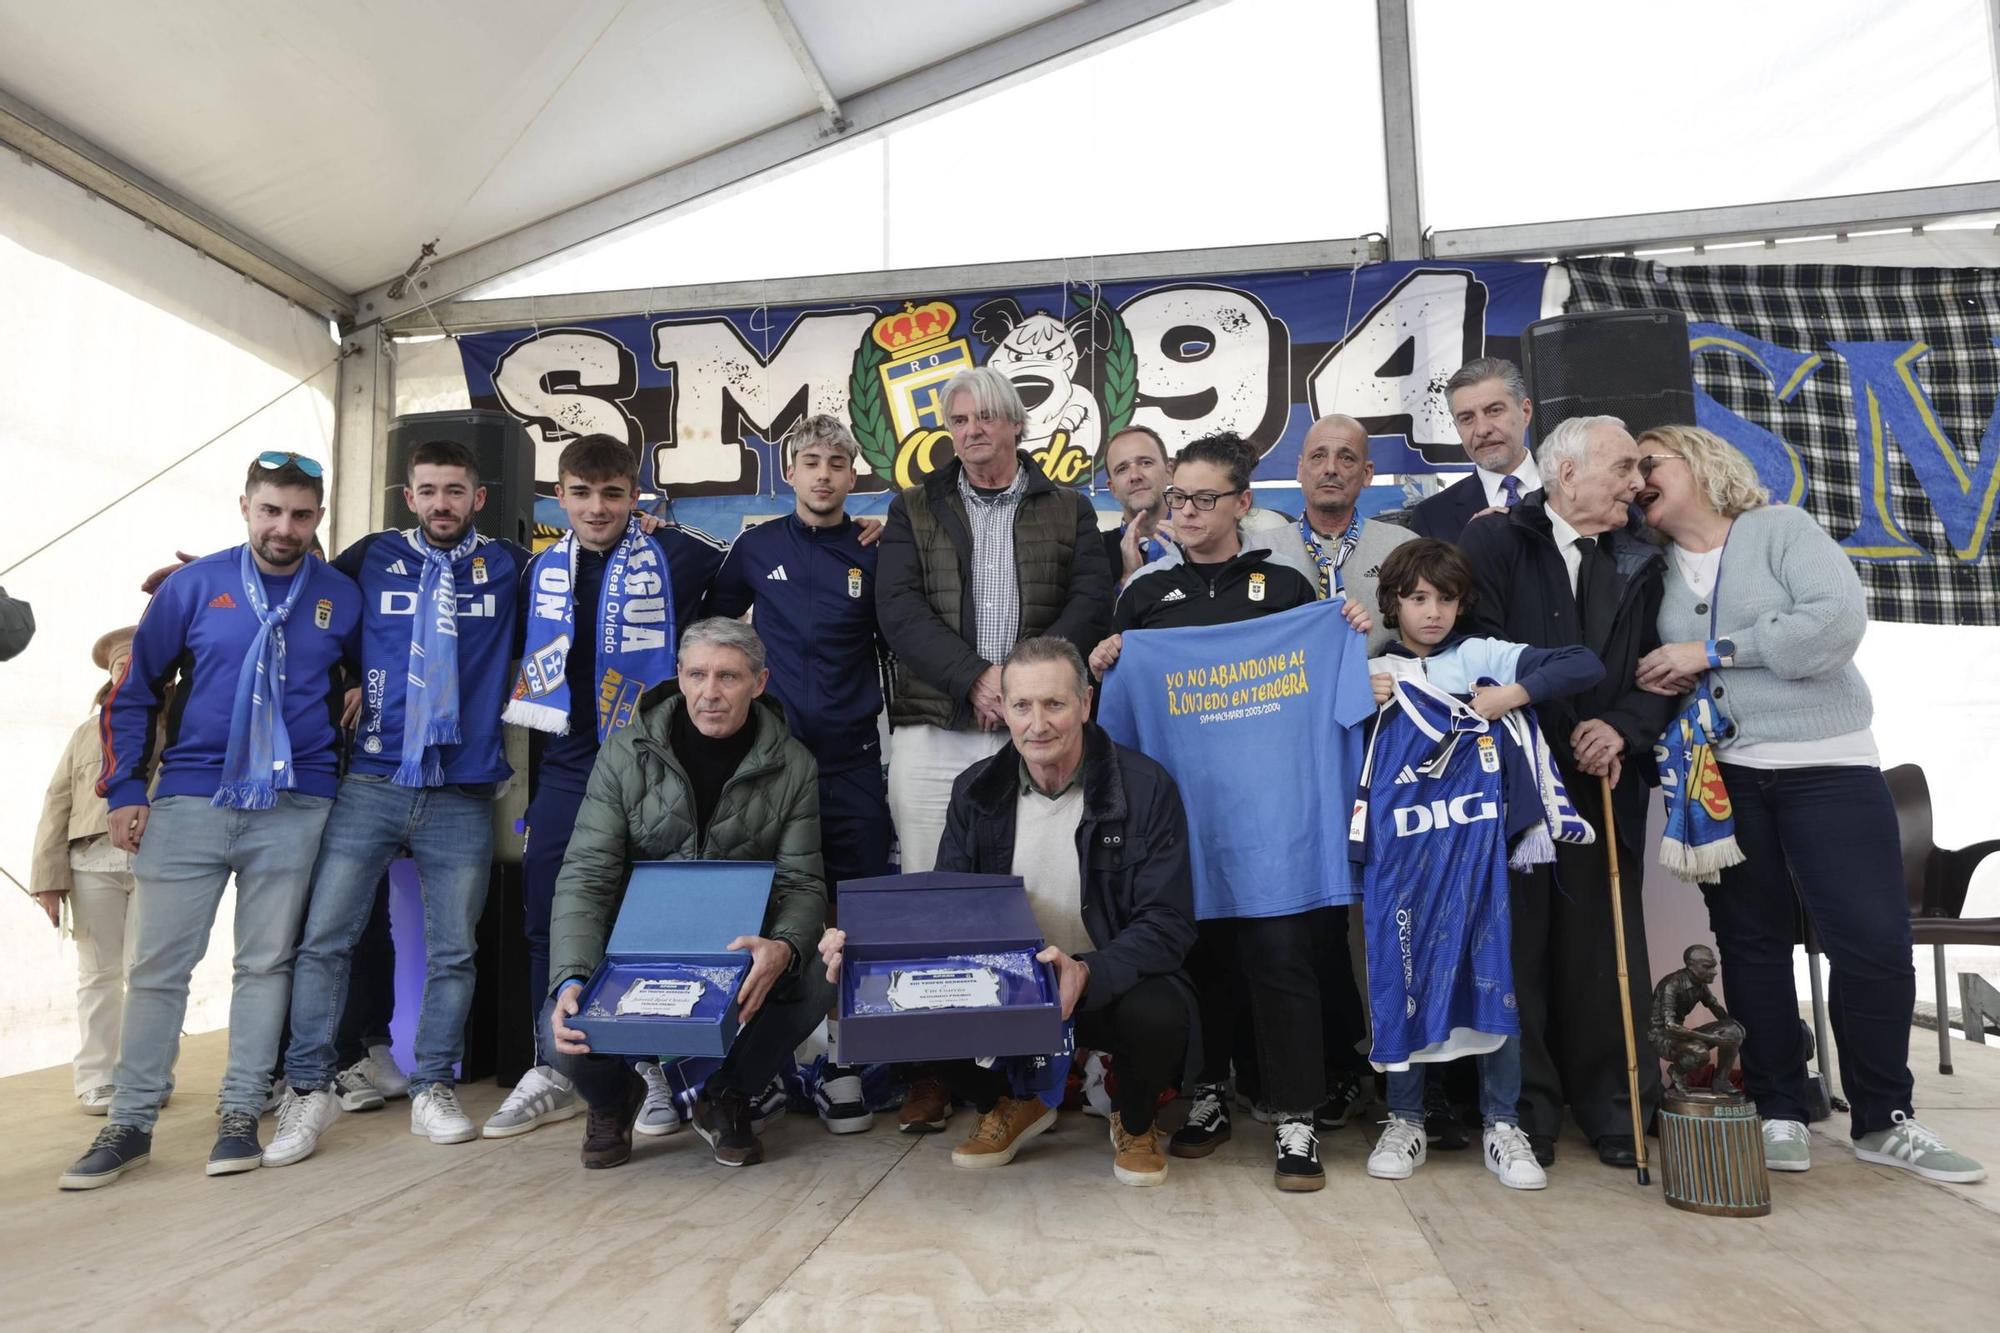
(1832, 831)
(449, 831)
(1499, 1087)
(551, 818)
(189, 850)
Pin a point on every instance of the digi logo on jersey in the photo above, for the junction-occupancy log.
(1468, 809)
(471, 605)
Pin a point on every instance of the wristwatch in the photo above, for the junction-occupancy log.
(1721, 652)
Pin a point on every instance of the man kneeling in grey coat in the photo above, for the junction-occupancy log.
(707, 771)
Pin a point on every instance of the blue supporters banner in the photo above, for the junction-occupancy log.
(1259, 723)
(703, 395)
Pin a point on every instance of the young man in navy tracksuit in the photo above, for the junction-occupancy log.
(252, 641)
(573, 693)
(439, 630)
(811, 583)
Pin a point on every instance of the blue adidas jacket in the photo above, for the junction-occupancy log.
(195, 634)
(814, 594)
(489, 629)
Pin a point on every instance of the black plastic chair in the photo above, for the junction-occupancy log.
(1935, 880)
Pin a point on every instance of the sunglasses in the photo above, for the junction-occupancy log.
(1647, 462)
(276, 458)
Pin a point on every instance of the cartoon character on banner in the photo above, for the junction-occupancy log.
(901, 369)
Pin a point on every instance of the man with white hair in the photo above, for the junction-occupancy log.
(1568, 565)
(981, 554)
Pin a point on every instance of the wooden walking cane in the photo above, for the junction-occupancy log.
(1624, 985)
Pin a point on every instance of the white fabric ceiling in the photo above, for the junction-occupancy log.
(344, 134)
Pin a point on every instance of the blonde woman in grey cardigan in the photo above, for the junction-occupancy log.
(1761, 600)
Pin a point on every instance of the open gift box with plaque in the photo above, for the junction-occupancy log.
(942, 966)
(668, 983)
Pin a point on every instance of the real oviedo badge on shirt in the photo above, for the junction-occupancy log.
(1256, 587)
(479, 569)
(854, 583)
(323, 613)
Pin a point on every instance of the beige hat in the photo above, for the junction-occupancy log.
(110, 645)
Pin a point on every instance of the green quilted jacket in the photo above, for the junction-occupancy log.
(638, 808)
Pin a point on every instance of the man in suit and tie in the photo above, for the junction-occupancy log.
(1569, 565)
(1489, 405)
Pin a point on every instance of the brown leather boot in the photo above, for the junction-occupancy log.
(926, 1107)
(607, 1132)
(1002, 1131)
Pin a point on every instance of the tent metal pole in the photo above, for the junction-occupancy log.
(361, 412)
(1397, 49)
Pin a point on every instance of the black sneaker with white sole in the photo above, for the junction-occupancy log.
(1207, 1126)
(1346, 1094)
(725, 1126)
(1298, 1169)
(236, 1147)
(115, 1150)
(842, 1106)
(1442, 1127)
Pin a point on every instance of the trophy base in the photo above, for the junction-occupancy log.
(1712, 1157)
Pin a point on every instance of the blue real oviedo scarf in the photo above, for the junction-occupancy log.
(1700, 837)
(258, 761)
(430, 696)
(635, 634)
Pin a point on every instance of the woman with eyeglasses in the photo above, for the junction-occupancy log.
(1766, 606)
(1212, 578)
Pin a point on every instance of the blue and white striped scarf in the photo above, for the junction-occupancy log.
(258, 762)
(635, 634)
(430, 696)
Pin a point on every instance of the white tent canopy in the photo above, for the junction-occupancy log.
(620, 155)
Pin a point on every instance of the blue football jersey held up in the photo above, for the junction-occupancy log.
(1259, 723)
(1431, 821)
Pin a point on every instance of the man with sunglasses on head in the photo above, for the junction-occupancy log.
(252, 641)
(440, 630)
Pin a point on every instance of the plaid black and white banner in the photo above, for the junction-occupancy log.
(1871, 396)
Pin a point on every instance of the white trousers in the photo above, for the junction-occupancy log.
(104, 922)
(923, 763)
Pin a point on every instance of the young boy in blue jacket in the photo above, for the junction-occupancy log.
(1423, 587)
(252, 641)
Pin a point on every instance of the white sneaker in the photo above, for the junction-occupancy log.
(658, 1116)
(386, 1074)
(356, 1090)
(542, 1097)
(1400, 1151)
(842, 1106)
(301, 1120)
(436, 1114)
(276, 1098)
(1787, 1146)
(1511, 1157)
(97, 1101)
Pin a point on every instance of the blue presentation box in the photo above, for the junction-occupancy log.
(671, 937)
(944, 927)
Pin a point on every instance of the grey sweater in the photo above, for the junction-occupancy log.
(1789, 597)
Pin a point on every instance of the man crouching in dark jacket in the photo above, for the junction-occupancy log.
(707, 771)
(1097, 833)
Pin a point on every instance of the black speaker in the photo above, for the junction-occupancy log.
(505, 457)
(1629, 364)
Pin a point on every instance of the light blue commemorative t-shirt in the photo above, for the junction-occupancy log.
(1260, 724)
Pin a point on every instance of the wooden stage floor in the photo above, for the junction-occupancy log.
(877, 1231)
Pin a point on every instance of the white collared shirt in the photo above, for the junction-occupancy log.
(1566, 539)
(1531, 480)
